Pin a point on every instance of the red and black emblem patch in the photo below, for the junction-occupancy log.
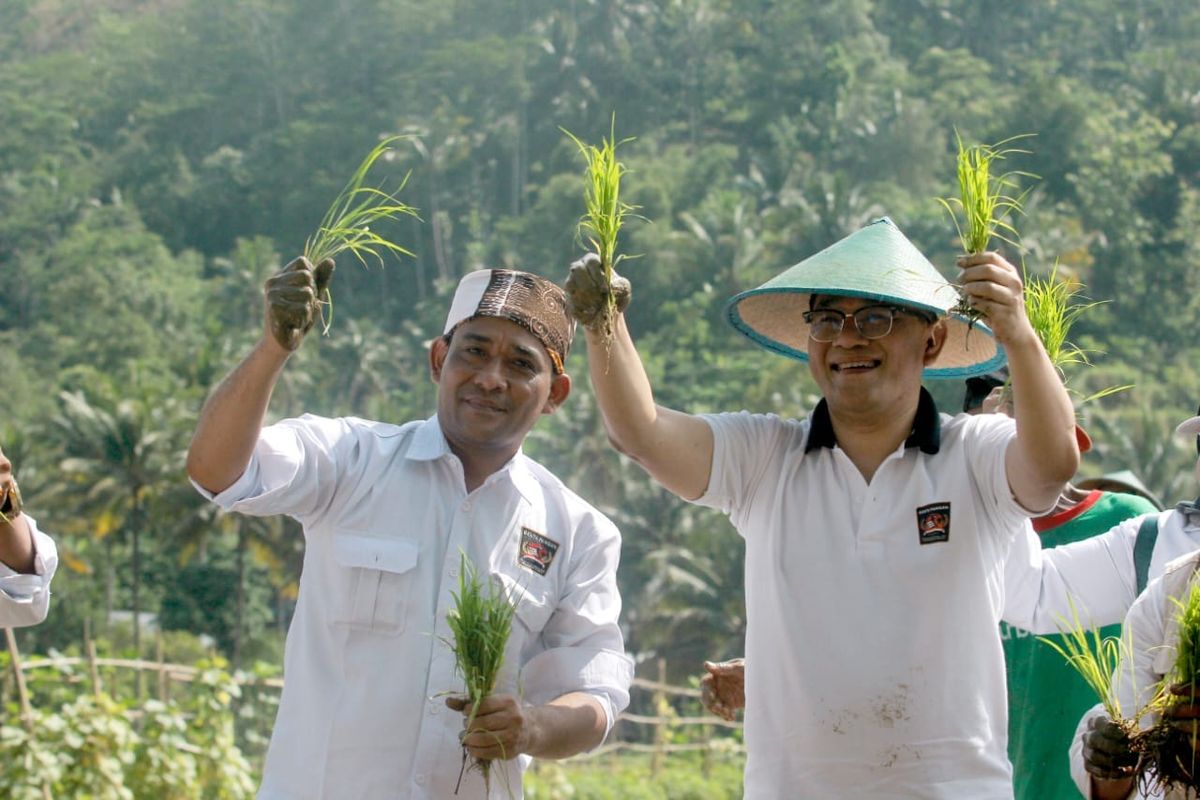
(933, 523)
(536, 551)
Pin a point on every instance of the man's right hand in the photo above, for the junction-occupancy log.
(10, 495)
(588, 292)
(293, 299)
(1107, 754)
(723, 689)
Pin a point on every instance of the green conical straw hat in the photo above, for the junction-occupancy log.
(876, 262)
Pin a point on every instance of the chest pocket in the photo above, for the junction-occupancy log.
(381, 573)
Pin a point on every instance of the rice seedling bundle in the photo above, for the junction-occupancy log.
(480, 622)
(1168, 752)
(984, 204)
(1052, 305)
(347, 224)
(605, 211)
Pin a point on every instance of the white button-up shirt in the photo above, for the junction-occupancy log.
(386, 515)
(1152, 631)
(25, 598)
(873, 658)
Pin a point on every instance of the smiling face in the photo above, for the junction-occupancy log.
(872, 376)
(494, 380)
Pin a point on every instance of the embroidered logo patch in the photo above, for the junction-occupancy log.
(537, 551)
(933, 523)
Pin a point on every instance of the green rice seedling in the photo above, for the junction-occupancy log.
(605, 212)
(481, 622)
(1096, 658)
(984, 201)
(1053, 307)
(1170, 751)
(347, 224)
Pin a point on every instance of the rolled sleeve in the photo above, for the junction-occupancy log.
(293, 470)
(25, 598)
(581, 648)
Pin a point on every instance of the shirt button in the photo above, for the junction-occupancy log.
(466, 506)
(421, 778)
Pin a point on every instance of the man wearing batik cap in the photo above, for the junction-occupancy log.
(876, 529)
(387, 510)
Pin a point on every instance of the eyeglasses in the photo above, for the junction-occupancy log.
(873, 322)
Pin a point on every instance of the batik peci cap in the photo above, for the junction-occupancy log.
(536, 304)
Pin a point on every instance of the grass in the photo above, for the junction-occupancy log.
(1096, 658)
(984, 204)
(1052, 306)
(347, 224)
(481, 622)
(605, 212)
(1169, 752)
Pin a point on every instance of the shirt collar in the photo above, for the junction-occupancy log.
(1190, 511)
(429, 444)
(926, 432)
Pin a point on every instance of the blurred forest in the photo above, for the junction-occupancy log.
(160, 158)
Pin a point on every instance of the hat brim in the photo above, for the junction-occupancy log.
(1189, 427)
(774, 318)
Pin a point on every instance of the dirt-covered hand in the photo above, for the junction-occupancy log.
(10, 493)
(994, 287)
(1107, 753)
(588, 292)
(293, 298)
(723, 688)
(501, 729)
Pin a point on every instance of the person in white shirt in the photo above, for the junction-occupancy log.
(387, 511)
(876, 530)
(1099, 753)
(28, 558)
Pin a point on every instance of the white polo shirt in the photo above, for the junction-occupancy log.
(25, 598)
(1153, 635)
(385, 514)
(873, 658)
(1096, 574)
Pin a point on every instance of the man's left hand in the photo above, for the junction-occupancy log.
(994, 287)
(501, 730)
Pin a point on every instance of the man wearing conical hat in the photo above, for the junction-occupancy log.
(388, 512)
(876, 528)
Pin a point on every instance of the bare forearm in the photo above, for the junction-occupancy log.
(233, 417)
(16, 544)
(565, 726)
(622, 388)
(674, 447)
(1045, 454)
(1111, 790)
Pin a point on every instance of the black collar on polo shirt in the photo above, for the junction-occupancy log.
(926, 433)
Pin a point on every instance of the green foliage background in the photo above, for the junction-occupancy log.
(160, 158)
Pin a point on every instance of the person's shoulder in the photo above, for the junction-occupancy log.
(554, 491)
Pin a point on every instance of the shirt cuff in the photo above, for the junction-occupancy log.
(603, 674)
(247, 485)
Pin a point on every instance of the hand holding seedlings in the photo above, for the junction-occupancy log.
(1107, 750)
(588, 293)
(993, 286)
(10, 494)
(723, 688)
(293, 298)
(501, 729)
